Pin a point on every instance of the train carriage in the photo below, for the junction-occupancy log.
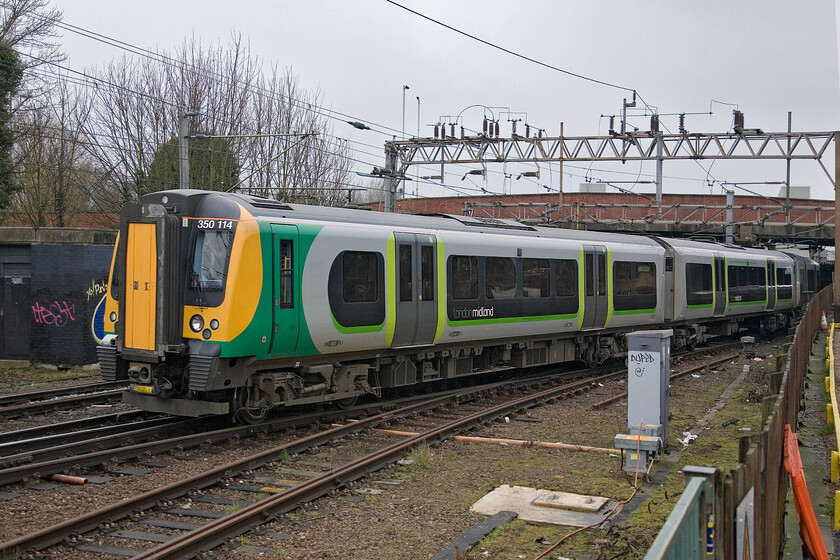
(224, 303)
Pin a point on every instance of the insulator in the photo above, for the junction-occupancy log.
(437, 126)
(527, 131)
(485, 126)
(452, 129)
(539, 133)
(513, 129)
(612, 122)
(654, 123)
(739, 119)
(462, 132)
(497, 129)
(682, 123)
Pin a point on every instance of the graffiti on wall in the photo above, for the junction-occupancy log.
(96, 288)
(56, 314)
(97, 324)
(59, 313)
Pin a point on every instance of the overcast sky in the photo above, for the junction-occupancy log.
(767, 56)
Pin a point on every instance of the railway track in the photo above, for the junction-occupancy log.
(49, 400)
(199, 508)
(42, 395)
(278, 465)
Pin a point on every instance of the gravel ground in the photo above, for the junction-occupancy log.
(411, 511)
(35, 378)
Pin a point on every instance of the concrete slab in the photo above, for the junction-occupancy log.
(573, 502)
(522, 501)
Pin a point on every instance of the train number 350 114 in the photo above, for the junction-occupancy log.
(214, 224)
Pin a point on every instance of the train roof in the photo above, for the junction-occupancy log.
(188, 201)
(261, 207)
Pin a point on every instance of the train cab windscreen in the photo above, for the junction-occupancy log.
(210, 260)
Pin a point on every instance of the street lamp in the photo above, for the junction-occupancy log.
(403, 120)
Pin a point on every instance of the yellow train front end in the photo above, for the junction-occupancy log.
(144, 316)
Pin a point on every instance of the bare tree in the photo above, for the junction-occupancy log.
(52, 165)
(29, 28)
(314, 169)
(136, 110)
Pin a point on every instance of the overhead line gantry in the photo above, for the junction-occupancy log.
(652, 145)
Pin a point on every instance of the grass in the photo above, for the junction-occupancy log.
(518, 539)
(587, 473)
(420, 457)
(232, 508)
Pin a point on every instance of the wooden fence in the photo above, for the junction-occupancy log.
(761, 469)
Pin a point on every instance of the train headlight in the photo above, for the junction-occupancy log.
(214, 324)
(206, 334)
(196, 323)
(113, 316)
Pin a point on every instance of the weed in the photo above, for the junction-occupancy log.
(420, 457)
(233, 508)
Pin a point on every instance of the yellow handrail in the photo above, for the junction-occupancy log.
(831, 386)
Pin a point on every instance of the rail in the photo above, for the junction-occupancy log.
(746, 506)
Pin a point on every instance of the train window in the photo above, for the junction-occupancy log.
(567, 278)
(747, 283)
(784, 281)
(602, 274)
(536, 278)
(589, 271)
(356, 289)
(406, 273)
(501, 278)
(645, 278)
(286, 274)
(698, 281)
(360, 277)
(622, 279)
(427, 273)
(117, 270)
(210, 259)
(464, 274)
(634, 285)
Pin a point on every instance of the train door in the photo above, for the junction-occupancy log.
(416, 289)
(286, 265)
(720, 285)
(595, 300)
(771, 285)
(141, 286)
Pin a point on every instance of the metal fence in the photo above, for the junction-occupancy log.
(747, 503)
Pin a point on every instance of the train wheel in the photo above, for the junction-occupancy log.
(245, 414)
(589, 359)
(251, 415)
(349, 402)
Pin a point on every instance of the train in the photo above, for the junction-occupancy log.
(231, 304)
